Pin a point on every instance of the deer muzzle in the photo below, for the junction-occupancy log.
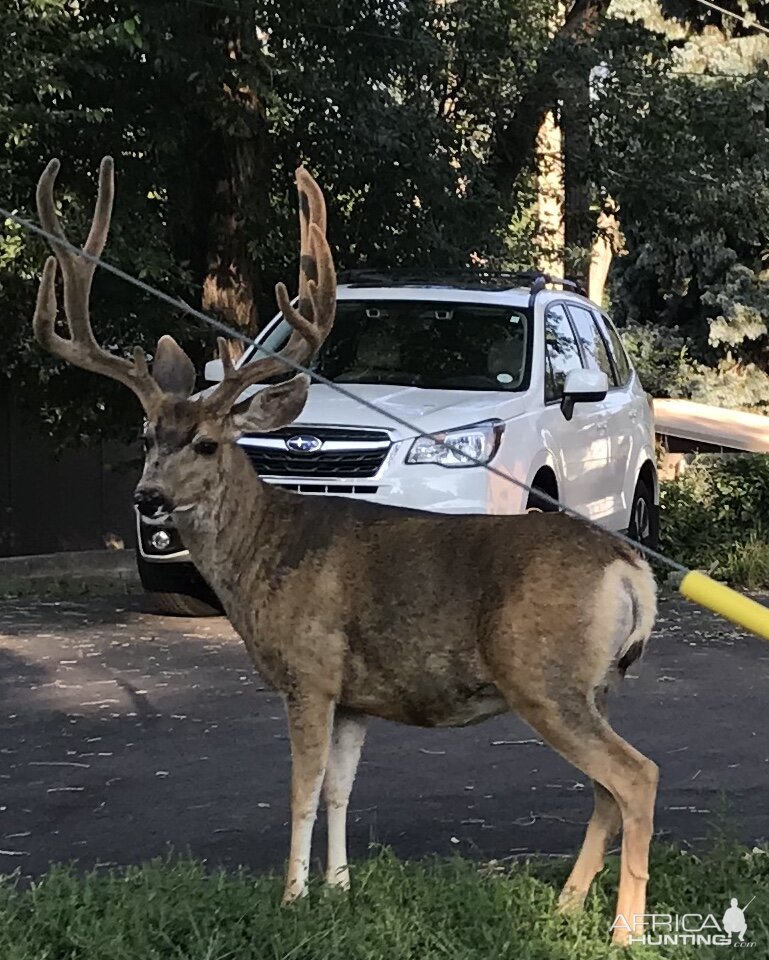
(151, 501)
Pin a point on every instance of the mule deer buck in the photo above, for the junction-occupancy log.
(351, 609)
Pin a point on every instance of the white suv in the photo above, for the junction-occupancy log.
(529, 378)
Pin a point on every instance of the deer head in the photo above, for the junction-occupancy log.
(187, 441)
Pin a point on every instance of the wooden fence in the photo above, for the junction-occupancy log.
(77, 501)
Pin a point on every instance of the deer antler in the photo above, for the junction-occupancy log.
(311, 320)
(81, 349)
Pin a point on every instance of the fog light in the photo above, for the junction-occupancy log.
(160, 540)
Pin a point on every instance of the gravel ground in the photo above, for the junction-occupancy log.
(125, 734)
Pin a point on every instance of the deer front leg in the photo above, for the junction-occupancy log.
(309, 727)
(346, 744)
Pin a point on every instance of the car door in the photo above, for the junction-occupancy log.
(615, 423)
(629, 433)
(580, 445)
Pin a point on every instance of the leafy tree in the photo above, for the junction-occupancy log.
(686, 154)
(420, 118)
(68, 89)
(208, 107)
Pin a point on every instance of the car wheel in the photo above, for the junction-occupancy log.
(537, 503)
(177, 589)
(644, 517)
(180, 605)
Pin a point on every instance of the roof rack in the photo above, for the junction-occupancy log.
(463, 279)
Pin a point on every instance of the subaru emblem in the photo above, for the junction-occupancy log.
(304, 444)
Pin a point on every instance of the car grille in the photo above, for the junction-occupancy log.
(334, 488)
(272, 458)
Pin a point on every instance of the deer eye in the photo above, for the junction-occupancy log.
(205, 447)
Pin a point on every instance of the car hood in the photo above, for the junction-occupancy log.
(430, 411)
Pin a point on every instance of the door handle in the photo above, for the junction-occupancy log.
(603, 426)
(633, 414)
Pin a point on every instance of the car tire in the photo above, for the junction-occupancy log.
(644, 525)
(537, 504)
(177, 590)
(180, 605)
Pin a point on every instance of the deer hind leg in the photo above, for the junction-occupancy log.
(309, 726)
(603, 827)
(634, 786)
(346, 745)
(575, 728)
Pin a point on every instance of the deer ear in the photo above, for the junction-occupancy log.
(172, 369)
(272, 408)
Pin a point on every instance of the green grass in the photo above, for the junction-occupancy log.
(425, 911)
(747, 564)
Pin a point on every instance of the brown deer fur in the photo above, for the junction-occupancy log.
(351, 609)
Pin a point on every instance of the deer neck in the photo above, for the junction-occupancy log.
(231, 535)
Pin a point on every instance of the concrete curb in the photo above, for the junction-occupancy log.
(82, 571)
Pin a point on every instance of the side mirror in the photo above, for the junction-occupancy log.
(213, 371)
(583, 386)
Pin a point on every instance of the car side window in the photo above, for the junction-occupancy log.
(621, 362)
(561, 351)
(593, 346)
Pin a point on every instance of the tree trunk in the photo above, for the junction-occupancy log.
(514, 140)
(233, 281)
(232, 285)
(608, 241)
(576, 146)
(550, 233)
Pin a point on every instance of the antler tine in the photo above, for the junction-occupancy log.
(102, 213)
(46, 208)
(81, 349)
(313, 316)
(225, 356)
(312, 210)
(323, 289)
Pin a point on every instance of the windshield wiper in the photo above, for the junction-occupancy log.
(392, 379)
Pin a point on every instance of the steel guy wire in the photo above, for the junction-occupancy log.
(749, 24)
(234, 334)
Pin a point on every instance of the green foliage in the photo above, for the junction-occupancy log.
(66, 90)
(429, 910)
(747, 564)
(209, 106)
(730, 383)
(683, 147)
(660, 356)
(713, 518)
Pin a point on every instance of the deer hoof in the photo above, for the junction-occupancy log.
(571, 900)
(292, 893)
(338, 879)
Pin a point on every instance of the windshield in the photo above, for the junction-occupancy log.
(464, 346)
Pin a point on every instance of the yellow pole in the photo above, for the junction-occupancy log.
(719, 598)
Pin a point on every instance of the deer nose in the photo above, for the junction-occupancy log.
(150, 502)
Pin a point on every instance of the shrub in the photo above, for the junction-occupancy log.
(716, 518)
(660, 357)
(748, 564)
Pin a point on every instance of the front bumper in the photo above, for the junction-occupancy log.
(146, 530)
(427, 487)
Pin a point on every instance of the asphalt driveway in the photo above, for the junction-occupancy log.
(123, 734)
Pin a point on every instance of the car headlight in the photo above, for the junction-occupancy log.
(467, 447)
